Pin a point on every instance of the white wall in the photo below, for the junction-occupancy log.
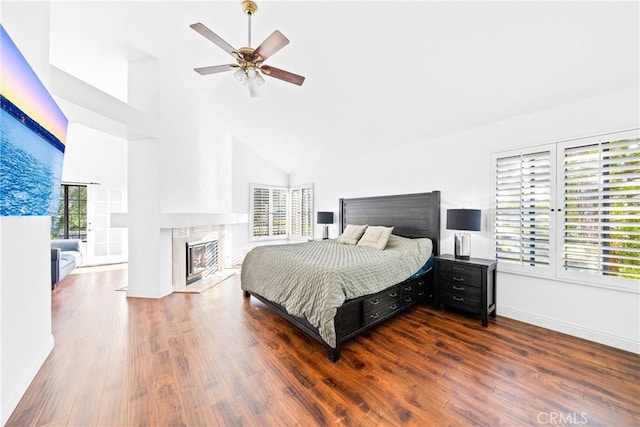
(94, 156)
(25, 262)
(195, 147)
(459, 165)
(248, 168)
(25, 304)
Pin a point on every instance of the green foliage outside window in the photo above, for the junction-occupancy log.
(71, 220)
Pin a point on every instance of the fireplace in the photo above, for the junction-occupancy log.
(202, 259)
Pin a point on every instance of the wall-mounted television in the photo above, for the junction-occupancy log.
(33, 132)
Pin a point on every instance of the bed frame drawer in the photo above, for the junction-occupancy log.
(381, 313)
(383, 304)
(386, 298)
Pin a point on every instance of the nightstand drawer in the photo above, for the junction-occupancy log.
(471, 303)
(462, 274)
(460, 289)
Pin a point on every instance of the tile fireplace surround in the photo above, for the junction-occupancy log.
(179, 239)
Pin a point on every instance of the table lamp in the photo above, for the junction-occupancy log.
(463, 219)
(325, 218)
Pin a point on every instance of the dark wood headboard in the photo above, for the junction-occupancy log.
(411, 215)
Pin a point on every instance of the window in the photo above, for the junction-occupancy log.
(280, 212)
(571, 210)
(71, 220)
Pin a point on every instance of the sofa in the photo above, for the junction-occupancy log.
(65, 257)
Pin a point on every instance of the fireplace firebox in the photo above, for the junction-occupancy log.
(202, 259)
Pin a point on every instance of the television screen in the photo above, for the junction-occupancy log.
(33, 133)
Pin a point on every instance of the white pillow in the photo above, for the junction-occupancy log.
(351, 234)
(376, 237)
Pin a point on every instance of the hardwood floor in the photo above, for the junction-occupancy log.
(218, 359)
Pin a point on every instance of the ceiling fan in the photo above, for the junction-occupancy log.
(250, 66)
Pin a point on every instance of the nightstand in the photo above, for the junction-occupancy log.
(469, 285)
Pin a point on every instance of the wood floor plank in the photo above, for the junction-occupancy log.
(219, 359)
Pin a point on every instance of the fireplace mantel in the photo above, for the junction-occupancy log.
(184, 219)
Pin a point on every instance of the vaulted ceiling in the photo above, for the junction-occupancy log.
(378, 73)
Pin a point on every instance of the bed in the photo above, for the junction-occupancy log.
(413, 216)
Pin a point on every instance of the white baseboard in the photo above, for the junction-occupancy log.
(571, 329)
(147, 292)
(11, 398)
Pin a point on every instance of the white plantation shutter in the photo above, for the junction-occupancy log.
(268, 212)
(601, 212)
(523, 195)
(306, 212)
(302, 211)
(296, 209)
(279, 212)
(260, 200)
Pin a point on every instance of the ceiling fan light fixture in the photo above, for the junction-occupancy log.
(239, 74)
(253, 89)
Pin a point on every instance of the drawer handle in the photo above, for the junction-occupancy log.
(408, 299)
(374, 302)
(408, 288)
(420, 293)
(458, 268)
(393, 294)
(458, 279)
(458, 288)
(394, 306)
(375, 315)
(458, 299)
(421, 283)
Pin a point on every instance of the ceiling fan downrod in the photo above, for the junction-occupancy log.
(249, 7)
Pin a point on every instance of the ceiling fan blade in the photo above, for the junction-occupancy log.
(272, 44)
(214, 69)
(277, 73)
(206, 32)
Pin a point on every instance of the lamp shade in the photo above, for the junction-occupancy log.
(463, 219)
(325, 217)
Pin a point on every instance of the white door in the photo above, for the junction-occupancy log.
(105, 245)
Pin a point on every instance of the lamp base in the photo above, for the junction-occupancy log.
(462, 245)
(325, 232)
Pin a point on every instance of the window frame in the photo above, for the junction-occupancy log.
(556, 268)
